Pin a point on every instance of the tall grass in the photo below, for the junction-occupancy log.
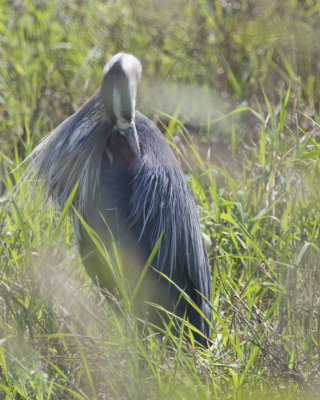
(253, 167)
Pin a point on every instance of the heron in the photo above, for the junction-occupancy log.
(132, 192)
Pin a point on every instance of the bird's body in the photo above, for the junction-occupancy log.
(136, 194)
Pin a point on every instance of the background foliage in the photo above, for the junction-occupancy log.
(234, 85)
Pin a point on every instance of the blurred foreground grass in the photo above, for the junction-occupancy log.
(242, 79)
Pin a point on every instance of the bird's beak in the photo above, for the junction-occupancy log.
(132, 138)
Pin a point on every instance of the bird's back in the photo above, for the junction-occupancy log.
(141, 199)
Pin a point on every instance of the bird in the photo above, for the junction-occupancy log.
(132, 192)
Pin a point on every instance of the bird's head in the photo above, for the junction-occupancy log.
(121, 77)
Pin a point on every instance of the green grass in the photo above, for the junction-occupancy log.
(251, 157)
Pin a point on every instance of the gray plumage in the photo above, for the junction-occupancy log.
(129, 178)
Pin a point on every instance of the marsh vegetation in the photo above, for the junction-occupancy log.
(234, 86)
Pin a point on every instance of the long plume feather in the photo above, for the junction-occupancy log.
(73, 152)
